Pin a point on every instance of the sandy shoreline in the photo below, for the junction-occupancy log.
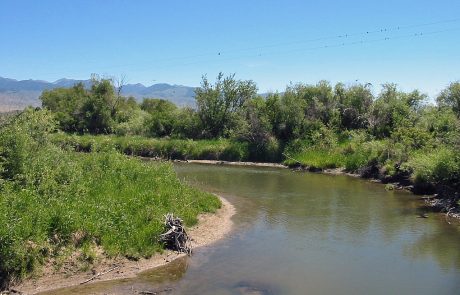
(201, 237)
(251, 164)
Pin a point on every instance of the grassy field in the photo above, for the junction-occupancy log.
(55, 202)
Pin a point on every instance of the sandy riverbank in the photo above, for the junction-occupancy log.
(252, 164)
(221, 225)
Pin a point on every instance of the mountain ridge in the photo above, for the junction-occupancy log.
(17, 94)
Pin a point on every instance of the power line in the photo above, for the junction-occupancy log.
(341, 36)
(363, 33)
(321, 47)
(222, 54)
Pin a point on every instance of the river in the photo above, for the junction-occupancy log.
(306, 233)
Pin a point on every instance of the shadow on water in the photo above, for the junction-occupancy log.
(300, 233)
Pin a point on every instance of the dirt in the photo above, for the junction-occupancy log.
(120, 268)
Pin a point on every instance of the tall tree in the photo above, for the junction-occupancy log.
(66, 104)
(163, 116)
(450, 97)
(218, 104)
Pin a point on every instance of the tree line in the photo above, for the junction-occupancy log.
(232, 108)
(338, 125)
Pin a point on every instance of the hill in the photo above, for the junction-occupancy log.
(17, 94)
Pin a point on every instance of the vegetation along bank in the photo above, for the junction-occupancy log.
(55, 201)
(395, 136)
(63, 210)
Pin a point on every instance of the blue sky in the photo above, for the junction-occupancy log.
(271, 42)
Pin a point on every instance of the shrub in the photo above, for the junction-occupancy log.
(438, 167)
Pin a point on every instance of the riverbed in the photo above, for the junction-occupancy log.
(307, 233)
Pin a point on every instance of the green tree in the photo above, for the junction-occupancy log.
(66, 104)
(157, 105)
(393, 109)
(130, 119)
(80, 110)
(354, 104)
(286, 114)
(188, 124)
(254, 125)
(99, 109)
(442, 123)
(163, 116)
(450, 97)
(320, 101)
(219, 103)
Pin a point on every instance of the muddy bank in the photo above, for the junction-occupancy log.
(120, 268)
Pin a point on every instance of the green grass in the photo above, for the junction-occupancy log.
(351, 154)
(216, 149)
(442, 166)
(425, 167)
(54, 202)
(322, 159)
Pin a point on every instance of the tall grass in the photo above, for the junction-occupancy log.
(54, 202)
(442, 166)
(316, 158)
(216, 149)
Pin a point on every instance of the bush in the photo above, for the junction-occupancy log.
(134, 125)
(437, 167)
(362, 150)
(302, 152)
(20, 138)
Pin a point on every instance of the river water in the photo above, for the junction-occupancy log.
(306, 233)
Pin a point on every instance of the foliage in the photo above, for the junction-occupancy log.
(188, 125)
(67, 106)
(80, 110)
(20, 138)
(286, 115)
(221, 149)
(218, 104)
(136, 123)
(443, 166)
(321, 125)
(391, 110)
(163, 116)
(354, 104)
(450, 97)
(53, 200)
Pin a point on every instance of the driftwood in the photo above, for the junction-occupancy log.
(175, 237)
(99, 274)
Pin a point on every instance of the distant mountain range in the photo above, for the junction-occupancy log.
(17, 94)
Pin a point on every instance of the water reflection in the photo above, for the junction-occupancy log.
(335, 234)
(303, 233)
